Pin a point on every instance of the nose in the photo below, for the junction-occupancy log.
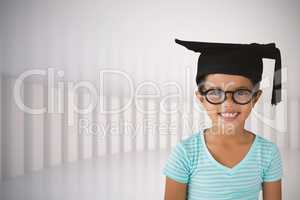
(229, 98)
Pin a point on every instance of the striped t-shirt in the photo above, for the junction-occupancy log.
(190, 162)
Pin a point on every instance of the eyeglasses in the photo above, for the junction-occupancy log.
(218, 96)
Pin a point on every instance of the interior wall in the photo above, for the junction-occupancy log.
(35, 141)
(80, 39)
(1, 126)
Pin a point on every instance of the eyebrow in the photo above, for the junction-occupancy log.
(241, 87)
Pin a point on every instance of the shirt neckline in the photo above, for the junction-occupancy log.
(226, 168)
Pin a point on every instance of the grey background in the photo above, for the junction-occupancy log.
(83, 37)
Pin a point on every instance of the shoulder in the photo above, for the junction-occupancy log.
(182, 160)
(266, 146)
(192, 141)
(269, 151)
(191, 144)
(190, 148)
(272, 167)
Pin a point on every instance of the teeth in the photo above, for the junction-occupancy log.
(227, 114)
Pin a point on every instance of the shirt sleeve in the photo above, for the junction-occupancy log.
(178, 165)
(274, 171)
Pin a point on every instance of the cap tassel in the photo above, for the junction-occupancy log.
(276, 93)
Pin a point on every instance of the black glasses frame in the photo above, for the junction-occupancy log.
(253, 94)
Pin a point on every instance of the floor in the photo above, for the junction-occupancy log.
(125, 176)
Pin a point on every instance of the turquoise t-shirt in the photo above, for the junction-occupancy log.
(190, 162)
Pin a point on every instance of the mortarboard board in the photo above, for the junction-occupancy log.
(237, 59)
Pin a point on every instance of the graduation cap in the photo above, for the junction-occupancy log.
(237, 59)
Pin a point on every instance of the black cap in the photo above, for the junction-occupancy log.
(237, 59)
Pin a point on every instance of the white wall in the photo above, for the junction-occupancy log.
(32, 142)
(13, 132)
(1, 126)
(83, 37)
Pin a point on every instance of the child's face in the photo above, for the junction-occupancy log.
(228, 112)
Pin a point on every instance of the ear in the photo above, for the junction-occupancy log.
(258, 94)
(199, 96)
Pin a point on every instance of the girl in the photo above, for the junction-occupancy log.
(226, 161)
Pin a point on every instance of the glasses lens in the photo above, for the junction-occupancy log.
(242, 96)
(215, 95)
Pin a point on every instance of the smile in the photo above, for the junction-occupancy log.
(229, 116)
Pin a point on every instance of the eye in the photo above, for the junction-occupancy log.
(243, 92)
(215, 92)
(242, 96)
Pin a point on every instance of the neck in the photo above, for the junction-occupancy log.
(228, 134)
